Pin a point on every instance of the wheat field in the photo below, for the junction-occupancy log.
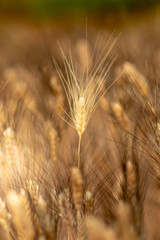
(80, 133)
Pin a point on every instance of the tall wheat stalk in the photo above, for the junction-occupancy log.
(84, 92)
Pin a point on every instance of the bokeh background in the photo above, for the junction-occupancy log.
(45, 8)
(69, 10)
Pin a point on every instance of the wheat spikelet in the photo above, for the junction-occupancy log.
(53, 143)
(77, 194)
(131, 179)
(65, 210)
(77, 188)
(89, 202)
(80, 116)
(55, 216)
(47, 224)
(132, 187)
(28, 211)
(9, 146)
(118, 188)
(121, 116)
(54, 198)
(33, 189)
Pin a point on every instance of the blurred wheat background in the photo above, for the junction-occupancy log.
(79, 120)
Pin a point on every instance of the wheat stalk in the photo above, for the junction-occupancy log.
(83, 92)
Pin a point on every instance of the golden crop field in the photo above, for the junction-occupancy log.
(80, 130)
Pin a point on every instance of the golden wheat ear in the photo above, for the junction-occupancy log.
(5, 218)
(84, 92)
(20, 214)
(97, 230)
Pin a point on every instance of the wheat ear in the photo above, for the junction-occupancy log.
(125, 227)
(83, 92)
(5, 219)
(21, 216)
(53, 143)
(66, 211)
(97, 230)
(80, 122)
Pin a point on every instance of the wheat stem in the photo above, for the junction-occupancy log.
(79, 149)
(68, 234)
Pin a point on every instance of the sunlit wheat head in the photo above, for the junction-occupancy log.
(84, 91)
